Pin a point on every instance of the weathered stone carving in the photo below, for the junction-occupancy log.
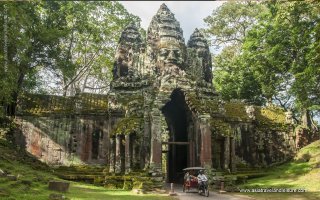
(250, 112)
(127, 54)
(165, 42)
(289, 117)
(199, 45)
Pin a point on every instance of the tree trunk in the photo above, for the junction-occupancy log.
(306, 118)
(11, 108)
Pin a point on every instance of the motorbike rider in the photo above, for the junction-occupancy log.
(202, 180)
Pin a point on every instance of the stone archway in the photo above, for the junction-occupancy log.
(179, 154)
(197, 136)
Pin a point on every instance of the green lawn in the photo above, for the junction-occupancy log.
(82, 191)
(33, 178)
(77, 191)
(302, 173)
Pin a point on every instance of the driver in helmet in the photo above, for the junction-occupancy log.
(202, 179)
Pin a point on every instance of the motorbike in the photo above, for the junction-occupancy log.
(203, 188)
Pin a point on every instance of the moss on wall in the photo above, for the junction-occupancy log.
(271, 118)
(127, 125)
(125, 100)
(221, 127)
(92, 102)
(201, 105)
(39, 104)
(236, 110)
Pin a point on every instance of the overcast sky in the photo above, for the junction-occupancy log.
(190, 14)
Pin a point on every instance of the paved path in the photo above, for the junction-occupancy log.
(193, 195)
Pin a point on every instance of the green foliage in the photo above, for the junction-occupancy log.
(75, 42)
(278, 50)
(310, 151)
(270, 52)
(27, 42)
(127, 126)
(228, 27)
(233, 80)
(230, 23)
(86, 52)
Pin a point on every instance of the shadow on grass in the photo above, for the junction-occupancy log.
(80, 191)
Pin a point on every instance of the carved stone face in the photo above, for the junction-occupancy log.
(170, 55)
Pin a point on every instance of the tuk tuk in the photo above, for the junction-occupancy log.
(191, 181)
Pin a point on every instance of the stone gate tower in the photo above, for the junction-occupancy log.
(154, 82)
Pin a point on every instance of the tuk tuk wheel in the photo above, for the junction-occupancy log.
(206, 192)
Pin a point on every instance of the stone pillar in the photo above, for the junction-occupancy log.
(118, 155)
(226, 155)
(155, 160)
(135, 155)
(112, 155)
(145, 147)
(233, 155)
(89, 138)
(127, 154)
(205, 154)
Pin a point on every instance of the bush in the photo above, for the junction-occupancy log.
(304, 158)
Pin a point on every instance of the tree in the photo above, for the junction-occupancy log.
(74, 41)
(282, 51)
(27, 41)
(228, 24)
(87, 51)
(233, 80)
(227, 27)
(276, 49)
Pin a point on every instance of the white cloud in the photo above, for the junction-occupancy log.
(190, 14)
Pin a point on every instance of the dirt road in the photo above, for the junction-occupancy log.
(193, 195)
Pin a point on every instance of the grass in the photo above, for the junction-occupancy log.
(33, 178)
(302, 173)
(282, 196)
(80, 191)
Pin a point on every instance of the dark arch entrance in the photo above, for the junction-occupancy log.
(178, 118)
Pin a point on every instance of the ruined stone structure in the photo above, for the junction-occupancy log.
(161, 115)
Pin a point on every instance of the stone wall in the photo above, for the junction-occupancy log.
(65, 140)
(64, 130)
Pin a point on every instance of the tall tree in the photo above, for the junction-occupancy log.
(74, 41)
(282, 50)
(227, 27)
(270, 49)
(87, 52)
(27, 42)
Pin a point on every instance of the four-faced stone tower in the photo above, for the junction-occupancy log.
(154, 81)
